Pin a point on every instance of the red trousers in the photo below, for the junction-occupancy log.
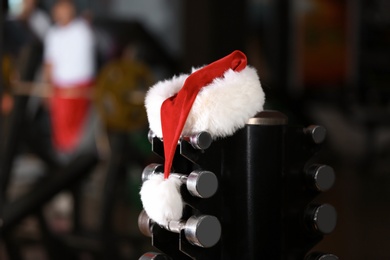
(68, 116)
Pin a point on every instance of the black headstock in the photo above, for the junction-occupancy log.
(265, 196)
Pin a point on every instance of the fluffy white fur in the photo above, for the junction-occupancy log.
(161, 199)
(156, 95)
(220, 108)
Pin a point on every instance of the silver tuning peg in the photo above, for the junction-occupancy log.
(151, 135)
(145, 224)
(202, 184)
(200, 140)
(203, 231)
(153, 168)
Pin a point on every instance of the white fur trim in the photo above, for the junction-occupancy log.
(156, 95)
(226, 104)
(161, 199)
(220, 108)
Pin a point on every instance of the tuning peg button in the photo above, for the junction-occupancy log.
(320, 177)
(202, 184)
(321, 218)
(203, 231)
(153, 168)
(145, 224)
(317, 133)
(151, 135)
(200, 140)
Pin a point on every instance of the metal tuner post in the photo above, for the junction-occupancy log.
(200, 141)
(202, 231)
(202, 184)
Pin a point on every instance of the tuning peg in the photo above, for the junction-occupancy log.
(320, 177)
(151, 135)
(321, 218)
(203, 231)
(200, 140)
(153, 168)
(316, 133)
(202, 184)
(145, 224)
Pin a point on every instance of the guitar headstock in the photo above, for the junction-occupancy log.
(262, 186)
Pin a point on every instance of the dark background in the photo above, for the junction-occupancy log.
(321, 62)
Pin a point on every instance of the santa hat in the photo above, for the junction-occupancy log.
(218, 98)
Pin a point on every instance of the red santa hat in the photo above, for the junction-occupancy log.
(218, 98)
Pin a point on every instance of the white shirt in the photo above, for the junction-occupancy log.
(70, 51)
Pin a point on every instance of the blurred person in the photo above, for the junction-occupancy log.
(69, 58)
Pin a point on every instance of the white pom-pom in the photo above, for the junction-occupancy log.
(161, 199)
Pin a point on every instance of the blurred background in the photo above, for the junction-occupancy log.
(324, 62)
